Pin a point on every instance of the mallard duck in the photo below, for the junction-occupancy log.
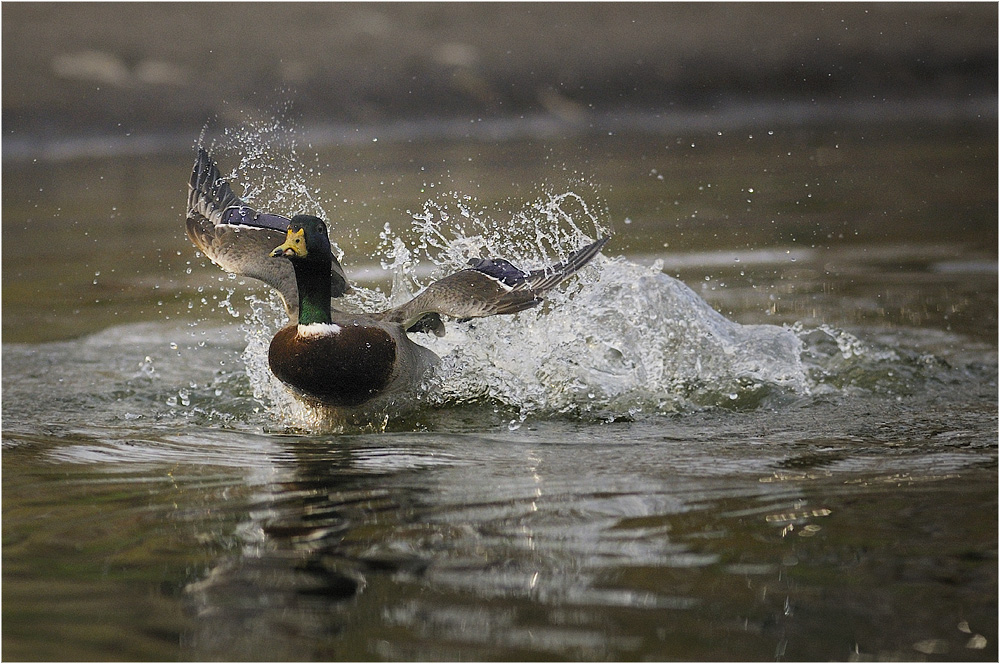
(331, 357)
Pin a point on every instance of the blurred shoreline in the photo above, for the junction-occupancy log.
(752, 115)
(112, 78)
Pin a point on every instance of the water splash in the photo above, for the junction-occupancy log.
(450, 230)
(623, 341)
(617, 341)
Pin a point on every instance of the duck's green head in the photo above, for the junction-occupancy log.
(307, 239)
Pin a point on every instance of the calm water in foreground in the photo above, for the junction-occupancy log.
(764, 426)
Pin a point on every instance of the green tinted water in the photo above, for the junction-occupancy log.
(154, 508)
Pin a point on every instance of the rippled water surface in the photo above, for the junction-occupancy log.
(762, 426)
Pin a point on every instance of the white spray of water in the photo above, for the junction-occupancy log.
(618, 340)
(624, 340)
(615, 341)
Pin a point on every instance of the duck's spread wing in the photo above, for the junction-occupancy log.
(238, 238)
(489, 286)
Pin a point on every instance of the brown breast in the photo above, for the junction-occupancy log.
(342, 369)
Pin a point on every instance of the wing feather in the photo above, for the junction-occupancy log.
(488, 287)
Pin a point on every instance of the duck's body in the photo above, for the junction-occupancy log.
(347, 364)
(330, 357)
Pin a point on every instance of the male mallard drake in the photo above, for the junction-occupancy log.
(333, 357)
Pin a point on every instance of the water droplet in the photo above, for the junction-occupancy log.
(146, 366)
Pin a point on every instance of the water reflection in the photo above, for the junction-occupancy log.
(337, 531)
(410, 551)
(722, 535)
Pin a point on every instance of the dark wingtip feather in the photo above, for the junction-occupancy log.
(545, 279)
(209, 193)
